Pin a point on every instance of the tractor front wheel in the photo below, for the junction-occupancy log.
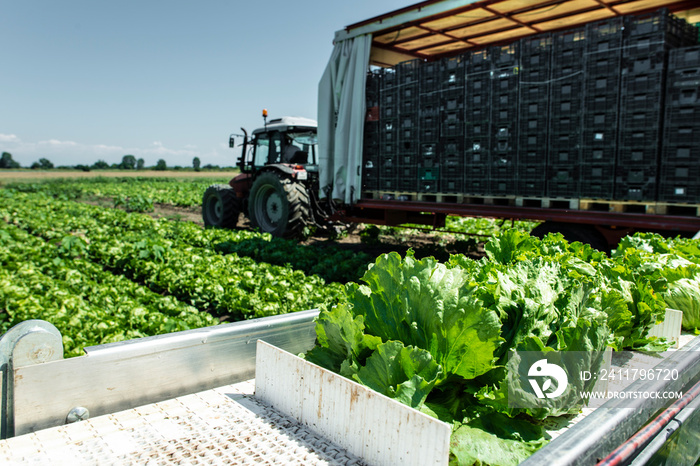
(220, 206)
(279, 206)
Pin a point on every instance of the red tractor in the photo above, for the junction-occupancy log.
(278, 185)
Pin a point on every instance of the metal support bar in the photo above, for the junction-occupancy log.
(27, 343)
(123, 375)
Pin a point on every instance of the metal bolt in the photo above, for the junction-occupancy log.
(77, 414)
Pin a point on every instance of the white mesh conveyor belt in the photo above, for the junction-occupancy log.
(227, 425)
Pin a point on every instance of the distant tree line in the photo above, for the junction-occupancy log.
(129, 162)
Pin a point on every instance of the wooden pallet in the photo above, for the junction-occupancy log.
(599, 205)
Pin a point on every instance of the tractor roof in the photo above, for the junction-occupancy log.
(286, 123)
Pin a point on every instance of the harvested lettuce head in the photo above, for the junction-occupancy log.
(684, 295)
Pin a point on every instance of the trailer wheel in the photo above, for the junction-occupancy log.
(220, 206)
(573, 232)
(279, 206)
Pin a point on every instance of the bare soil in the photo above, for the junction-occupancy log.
(422, 243)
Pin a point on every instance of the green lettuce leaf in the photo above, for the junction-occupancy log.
(427, 305)
(405, 373)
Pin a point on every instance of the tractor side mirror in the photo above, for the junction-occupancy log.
(231, 142)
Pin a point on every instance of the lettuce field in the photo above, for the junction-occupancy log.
(86, 256)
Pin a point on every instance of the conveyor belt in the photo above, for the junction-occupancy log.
(227, 425)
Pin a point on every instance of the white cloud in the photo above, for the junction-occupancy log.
(8, 138)
(56, 142)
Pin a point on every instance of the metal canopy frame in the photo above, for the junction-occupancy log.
(437, 28)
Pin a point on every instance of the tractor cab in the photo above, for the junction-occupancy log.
(286, 140)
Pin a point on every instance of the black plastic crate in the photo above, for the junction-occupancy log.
(660, 23)
(430, 105)
(407, 172)
(476, 185)
(566, 109)
(388, 80)
(531, 187)
(409, 138)
(640, 119)
(507, 99)
(652, 62)
(429, 162)
(684, 134)
(479, 84)
(477, 130)
(641, 101)
(504, 147)
(476, 157)
(430, 133)
(533, 124)
(408, 185)
(505, 56)
(567, 90)
(453, 101)
(528, 155)
(606, 86)
(677, 115)
(429, 150)
(674, 153)
(452, 148)
(603, 65)
(408, 71)
(598, 172)
(602, 104)
(599, 155)
(452, 166)
(502, 187)
(564, 155)
(452, 71)
(408, 93)
(429, 122)
(565, 124)
(600, 136)
(568, 46)
(452, 124)
(686, 57)
(636, 175)
(683, 95)
(450, 184)
(639, 137)
(534, 94)
(636, 191)
(504, 115)
(479, 62)
(430, 77)
(566, 189)
(605, 35)
(682, 192)
(388, 111)
(644, 154)
(370, 181)
(597, 189)
(389, 97)
(535, 53)
(505, 130)
(686, 173)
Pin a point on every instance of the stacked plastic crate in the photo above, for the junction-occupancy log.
(429, 125)
(680, 156)
(451, 175)
(566, 113)
(505, 63)
(648, 39)
(388, 130)
(408, 76)
(370, 148)
(603, 62)
(533, 110)
(477, 122)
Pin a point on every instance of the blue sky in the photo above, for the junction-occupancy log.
(88, 80)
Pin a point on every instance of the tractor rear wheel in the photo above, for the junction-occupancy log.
(220, 206)
(279, 206)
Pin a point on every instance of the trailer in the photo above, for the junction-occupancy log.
(582, 115)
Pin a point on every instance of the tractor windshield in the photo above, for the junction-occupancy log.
(305, 141)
